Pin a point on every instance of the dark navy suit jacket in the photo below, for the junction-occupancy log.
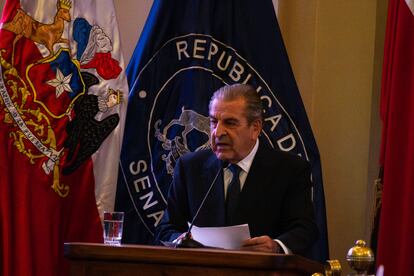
(275, 199)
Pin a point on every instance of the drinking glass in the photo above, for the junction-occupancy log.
(113, 225)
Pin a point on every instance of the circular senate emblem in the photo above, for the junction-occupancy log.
(168, 115)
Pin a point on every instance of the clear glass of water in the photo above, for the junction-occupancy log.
(113, 225)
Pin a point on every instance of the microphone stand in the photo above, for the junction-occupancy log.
(187, 241)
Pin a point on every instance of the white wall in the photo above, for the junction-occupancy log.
(336, 48)
(131, 17)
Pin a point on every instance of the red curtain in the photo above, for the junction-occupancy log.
(396, 232)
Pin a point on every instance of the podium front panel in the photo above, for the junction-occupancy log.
(99, 259)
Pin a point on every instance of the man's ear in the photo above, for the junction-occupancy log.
(257, 127)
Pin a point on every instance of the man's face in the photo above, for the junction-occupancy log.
(232, 138)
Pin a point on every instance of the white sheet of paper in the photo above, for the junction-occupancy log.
(229, 237)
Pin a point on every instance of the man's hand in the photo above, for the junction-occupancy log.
(263, 244)
(182, 236)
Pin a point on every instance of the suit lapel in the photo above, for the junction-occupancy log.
(214, 205)
(254, 188)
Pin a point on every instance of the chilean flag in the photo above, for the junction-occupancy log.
(57, 174)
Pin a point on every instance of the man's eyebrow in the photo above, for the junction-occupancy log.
(231, 120)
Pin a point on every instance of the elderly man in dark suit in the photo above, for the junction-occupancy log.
(266, 188)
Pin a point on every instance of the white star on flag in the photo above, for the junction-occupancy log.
(61, 83)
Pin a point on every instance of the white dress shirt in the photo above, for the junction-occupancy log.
(244, 165)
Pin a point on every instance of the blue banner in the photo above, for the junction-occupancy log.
(187, 50)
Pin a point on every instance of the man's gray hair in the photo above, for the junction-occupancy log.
(254, 108)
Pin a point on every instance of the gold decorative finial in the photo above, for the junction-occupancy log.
(333, 268)
(360, 257)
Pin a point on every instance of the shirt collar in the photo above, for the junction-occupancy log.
(246, 163)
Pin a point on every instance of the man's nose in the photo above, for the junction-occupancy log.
(220, 130)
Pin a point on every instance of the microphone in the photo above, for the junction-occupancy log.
(187, 241)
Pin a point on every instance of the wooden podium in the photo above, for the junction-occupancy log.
(99, 259)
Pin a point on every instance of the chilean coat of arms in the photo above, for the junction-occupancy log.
(55, 116)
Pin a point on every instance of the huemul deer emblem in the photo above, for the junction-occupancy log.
(48, 35)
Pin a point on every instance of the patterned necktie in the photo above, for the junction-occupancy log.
(233, 192)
